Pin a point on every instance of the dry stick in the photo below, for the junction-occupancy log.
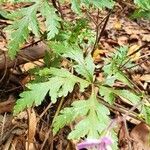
(97, 28)
(127, 132)
(117, 109)
(104, 26)
(98, 36)
(143, 46)
(128, 112)
(3, 124)
(5, 70)
(31, 44)
(28, 60)
(60, 10)
(89, 15)
(98, 12)
(54, 4)
(125, 123)
(43, 113)
(56, 114)
(138, 63)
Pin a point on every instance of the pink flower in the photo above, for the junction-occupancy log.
(101, 144)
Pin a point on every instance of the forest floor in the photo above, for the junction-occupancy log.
(120, 30)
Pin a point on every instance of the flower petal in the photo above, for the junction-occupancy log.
(88, 143)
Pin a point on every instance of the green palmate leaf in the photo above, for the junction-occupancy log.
(141, 14)
(110, 93)
(110, 80)
(126, 94)
(20, 29)
(58, 85)
(84, 67)
(4, 14)
(94, 122)
(25, 21)
(52, 20)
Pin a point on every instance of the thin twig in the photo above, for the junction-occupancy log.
(98, 35)
(5, 70)
(43, 113)
(104, 26)
(89, 15)
(138, 63)
(60, 10)
(143, 46)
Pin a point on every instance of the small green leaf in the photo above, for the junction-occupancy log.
(109, 94)
(103, 3)
(52, 19)
(146, 113)
(75, 6)
(132, 97)
(122, 77)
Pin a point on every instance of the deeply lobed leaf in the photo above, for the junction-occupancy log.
(111, 93)
(84, 67)
(94, 118)
(58, 85)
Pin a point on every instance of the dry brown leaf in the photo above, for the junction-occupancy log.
(31, 128)
(117, 25)
(140, 135)
(146, 37)
(97, 54)
(122, 40)
(8, 105)
(100, 77)
(131, 50)
(31, 65)
(145, 78)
